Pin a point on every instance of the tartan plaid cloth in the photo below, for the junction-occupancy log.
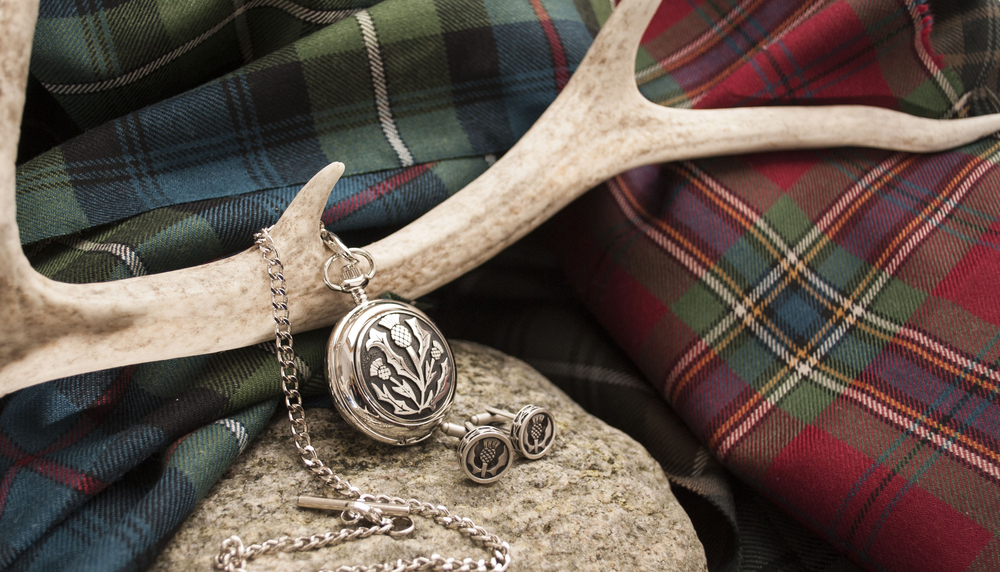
(519, 303)
(404, 84)
(202, 121)
(826, 322)
(821, 320)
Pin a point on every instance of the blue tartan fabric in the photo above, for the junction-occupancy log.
(464, 83)
(851, 385)
(197, 124)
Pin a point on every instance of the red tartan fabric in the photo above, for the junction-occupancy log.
(826, 321)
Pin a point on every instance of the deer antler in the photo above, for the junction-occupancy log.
(600, 125)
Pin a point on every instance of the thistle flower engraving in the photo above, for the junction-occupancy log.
(401, 335)
(489, 450)
(380, 370)
(536, 427)
(540, 431)
(488, 457)
(411, 386)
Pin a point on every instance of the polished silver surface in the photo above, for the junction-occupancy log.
(532, 431)
(375, 510)
(324, 503)
(391, 372)
(453, 430)
(485, 454)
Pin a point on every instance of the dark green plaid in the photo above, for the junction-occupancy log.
(182, 164)
(186, 159)
(429, 82)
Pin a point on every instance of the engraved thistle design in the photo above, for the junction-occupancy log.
(408, 389)
(485, 452)
(540, 431)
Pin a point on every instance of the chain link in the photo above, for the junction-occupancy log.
(233, 555)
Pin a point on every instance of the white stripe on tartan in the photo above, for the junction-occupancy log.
(792, 27)
(381, 91)
(300, 12)
(855, 311)
(942, 442)
(238, 430)
(791, 256)
(925, 58)
(801, 369)
(900, 256)
(944, 351)
(718, 30)
(123, 252)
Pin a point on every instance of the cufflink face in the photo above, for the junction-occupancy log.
(533, 431)
(391, 372)
(485, 454)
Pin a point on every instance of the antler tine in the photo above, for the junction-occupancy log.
(208, 308)
(601, 125)
(16, 28)
(598, 127)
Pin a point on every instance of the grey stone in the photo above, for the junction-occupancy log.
(598, 501)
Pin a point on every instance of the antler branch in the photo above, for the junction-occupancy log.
(600, 125)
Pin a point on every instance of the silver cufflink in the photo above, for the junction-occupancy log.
(533, 430)
(484, 453)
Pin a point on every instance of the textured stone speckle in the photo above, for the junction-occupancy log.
(598, 501)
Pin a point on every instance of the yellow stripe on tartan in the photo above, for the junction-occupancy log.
(703, 43)
(943, 443)
(910, 419)
(945, 359)
(718, 31)
(639, 217)
(906, 241)
(804, 13)
(849, 314)
(845, 317)
(930, 217)
(753, 223)
(790, 258)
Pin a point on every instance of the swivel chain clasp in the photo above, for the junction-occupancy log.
(352, 281)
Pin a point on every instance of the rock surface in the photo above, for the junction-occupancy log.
(598, 501)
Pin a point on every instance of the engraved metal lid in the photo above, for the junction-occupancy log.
(391, 372)
(485, 454)
(533, 431)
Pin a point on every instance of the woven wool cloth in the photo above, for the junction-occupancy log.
(824, 322)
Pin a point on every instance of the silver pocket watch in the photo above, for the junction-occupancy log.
(391, 371)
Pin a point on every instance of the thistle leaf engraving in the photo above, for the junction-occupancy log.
(422, 385)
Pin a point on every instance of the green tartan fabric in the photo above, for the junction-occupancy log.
(181, 162)
(403, 84)
(182, 129)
